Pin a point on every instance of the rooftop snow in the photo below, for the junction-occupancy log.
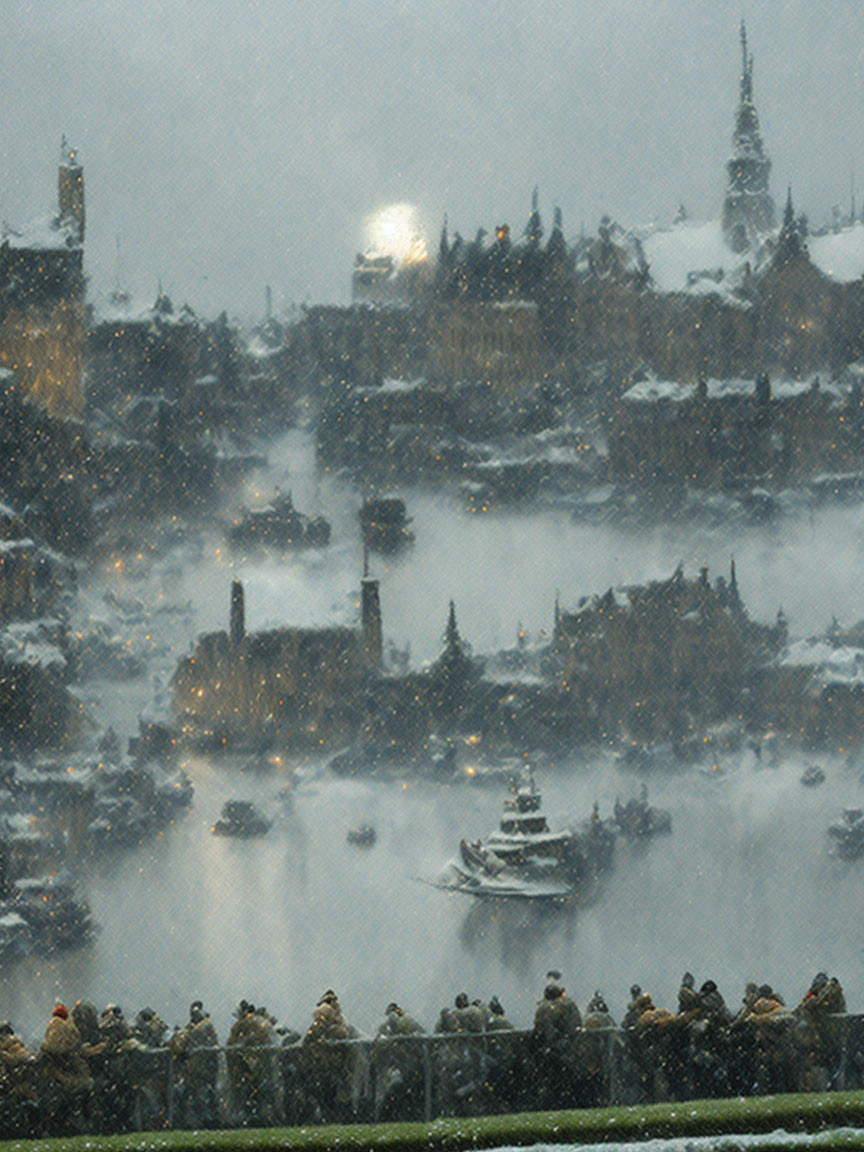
(30, 643)
(841, 665)
(676, 393)
(391, 385)
(839, 255)
(43, 234)
(674, 253)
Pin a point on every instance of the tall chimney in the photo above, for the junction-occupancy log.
(237, 630)
(370, 610)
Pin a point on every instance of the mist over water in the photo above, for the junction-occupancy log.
(743, 889)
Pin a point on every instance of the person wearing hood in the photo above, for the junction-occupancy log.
(468, 1015)
(116, 1100)
(496, 1019)
(709, 1043)
(250, 1060)
(194, 1049)
(819, 1032)
(599, 1035)
(149, 1068)
(556, 1046)
(399, 1066)
(556, 1016)
(18, 1094)
(330, 1060)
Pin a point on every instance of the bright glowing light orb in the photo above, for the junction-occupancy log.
(395, 231)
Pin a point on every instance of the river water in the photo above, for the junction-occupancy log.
(743, 888)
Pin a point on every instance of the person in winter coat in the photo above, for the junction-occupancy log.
(330, 1063)
(399, 1066)
(196, 1061)
(250, 1066)
(64, 1078)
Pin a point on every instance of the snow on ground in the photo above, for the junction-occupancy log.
(747, 1142)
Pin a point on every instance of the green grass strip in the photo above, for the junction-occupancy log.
(810, 1112)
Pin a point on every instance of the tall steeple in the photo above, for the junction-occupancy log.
(70, 191)
(534, 227)
(748, 209)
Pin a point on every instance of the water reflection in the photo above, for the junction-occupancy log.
(742, 889)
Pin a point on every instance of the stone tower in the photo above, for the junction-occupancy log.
(748, 209)
(237, 626)
(70, 191)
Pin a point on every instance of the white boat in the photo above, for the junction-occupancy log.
(524, 859)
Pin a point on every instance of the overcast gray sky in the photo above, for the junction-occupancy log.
(235, 143)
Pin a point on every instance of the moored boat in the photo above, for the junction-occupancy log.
(242, 819)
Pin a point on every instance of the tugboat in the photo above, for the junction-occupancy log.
(524, 859)
(242, 819)
(384, 524)
(362, 835)
(848, 834)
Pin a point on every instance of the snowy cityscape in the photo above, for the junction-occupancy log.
(460, 653)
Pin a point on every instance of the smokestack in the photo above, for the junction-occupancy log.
(237, 630)
(370, 609)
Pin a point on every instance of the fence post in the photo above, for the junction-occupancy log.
(169, 1089)
(427, 1078)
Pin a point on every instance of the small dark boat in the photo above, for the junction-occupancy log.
(848, 833)
(242, 819)
(363, 835)
(813, 776)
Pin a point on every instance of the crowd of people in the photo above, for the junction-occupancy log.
(99, 1072)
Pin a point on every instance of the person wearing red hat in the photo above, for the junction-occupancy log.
(65, 1077)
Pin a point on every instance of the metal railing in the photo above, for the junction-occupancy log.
(425, 1076)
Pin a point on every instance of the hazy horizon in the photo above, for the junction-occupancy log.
(230, 146)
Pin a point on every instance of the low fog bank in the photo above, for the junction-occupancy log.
(502, 570)
(744, 888)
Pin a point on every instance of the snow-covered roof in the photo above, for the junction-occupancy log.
(832, 665)
(43, 234)
(652, 390)
(121, 308)
(694, 257)
(392, 385)
(30, 643)
(675, 252)
(839, 255)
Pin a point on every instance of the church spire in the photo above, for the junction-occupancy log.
(791, 243)
(746, 68)
(534, 227)
(748, 209)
